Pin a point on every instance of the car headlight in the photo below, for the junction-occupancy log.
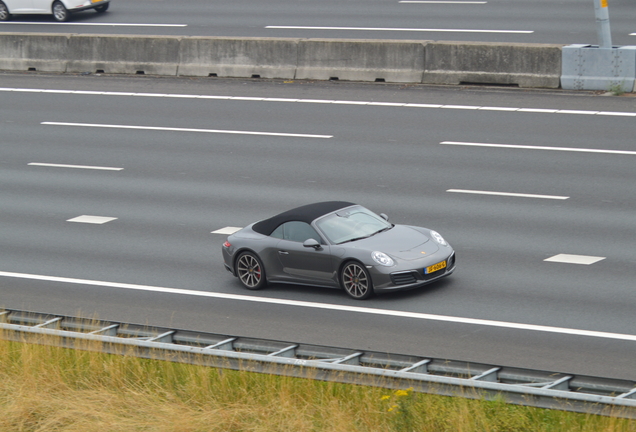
(382, 258)
(438, 238)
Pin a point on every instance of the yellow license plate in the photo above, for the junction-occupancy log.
(95, 1)
(435, 267)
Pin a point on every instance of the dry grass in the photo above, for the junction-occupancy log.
(54, 389)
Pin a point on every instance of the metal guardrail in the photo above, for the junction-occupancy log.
(541, 389)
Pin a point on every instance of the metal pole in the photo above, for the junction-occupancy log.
(603, 24)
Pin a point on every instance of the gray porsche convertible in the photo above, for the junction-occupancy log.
(337, 244)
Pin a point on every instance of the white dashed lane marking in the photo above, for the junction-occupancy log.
(172, 129)
(401, 29)
(442, 2)
(227, 230)
(527, 147)
(508, 194)
(92, 24)
(575, 259)
(75, 166)
(92, 219)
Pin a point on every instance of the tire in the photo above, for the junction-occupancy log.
(60, 13)
(356, 281)
(4, 12)
(103, 8)
(250, 271)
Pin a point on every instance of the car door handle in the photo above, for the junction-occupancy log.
(283, 253)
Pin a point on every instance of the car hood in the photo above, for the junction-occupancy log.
(402, 242)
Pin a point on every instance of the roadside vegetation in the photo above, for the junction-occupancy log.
(52, 389)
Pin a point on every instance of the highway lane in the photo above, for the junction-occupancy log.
(178, 186)
(565, 21)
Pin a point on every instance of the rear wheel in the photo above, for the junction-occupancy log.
(60, 13)
(356, 281)
(103, 8)
(4, 12)
(250, 271)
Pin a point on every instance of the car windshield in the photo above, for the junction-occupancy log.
(352, 224)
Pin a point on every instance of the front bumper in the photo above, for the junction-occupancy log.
(384, 281)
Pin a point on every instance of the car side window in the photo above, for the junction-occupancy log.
(278, 232)
(298, 232)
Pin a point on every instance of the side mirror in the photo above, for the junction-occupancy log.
(384, 216)
(312, 243)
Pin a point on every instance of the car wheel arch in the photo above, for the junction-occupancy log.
(347, 261)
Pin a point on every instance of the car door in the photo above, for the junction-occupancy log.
(304, 264)
(43, 6)
(19, 6)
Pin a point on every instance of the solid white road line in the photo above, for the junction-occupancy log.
(526, 147)
(94, 24)
(154, 128)
(74, 166)
(320, 101)
(461, 107)
(401, 29)
(328, 306)
(519, 195)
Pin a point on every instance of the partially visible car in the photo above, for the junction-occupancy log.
(337, 244)
(60, 9)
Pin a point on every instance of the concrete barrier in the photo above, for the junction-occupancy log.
(37, 52)
(238, 57)
(124, 54)
(361, 60)
(526, 65)
(588, 67)
(399, 61)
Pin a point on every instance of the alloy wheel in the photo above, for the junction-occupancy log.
(4, 12)
(250, 271)
(59, 12)
(356, 281)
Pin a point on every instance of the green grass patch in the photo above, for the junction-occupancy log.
(45, 388)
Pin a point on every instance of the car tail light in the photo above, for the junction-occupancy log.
(227, 244)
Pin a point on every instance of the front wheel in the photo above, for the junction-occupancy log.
(103, 8)
(60, 13)
(356, 281)
(4, 12)
(250, 271)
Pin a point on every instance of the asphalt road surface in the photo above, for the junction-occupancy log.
(534, 190)
(529, 21)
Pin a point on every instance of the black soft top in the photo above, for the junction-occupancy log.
(306, 213)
